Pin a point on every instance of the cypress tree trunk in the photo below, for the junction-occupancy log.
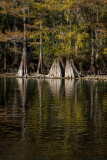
(97, 50)
(15, 30)
(92, 69)
(15, 44)
(15, 26)
(56, 70)
(96, 57)
(5, 62)
(40, 64)
(5, 59)
(23, 65)
(92, 66)
(70, 70)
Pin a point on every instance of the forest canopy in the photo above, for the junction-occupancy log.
(33, 33)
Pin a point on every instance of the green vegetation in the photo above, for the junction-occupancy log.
(41, 30)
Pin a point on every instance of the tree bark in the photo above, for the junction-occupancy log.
(23, 67)
(15, 41)
(97, 45)
(5, 62)
(70, 70)
(5, 59)
(40, 64)
(56, 70)
(92, 66)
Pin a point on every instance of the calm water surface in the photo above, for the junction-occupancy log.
(53, 119)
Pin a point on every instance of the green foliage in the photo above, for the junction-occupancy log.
(65, 26)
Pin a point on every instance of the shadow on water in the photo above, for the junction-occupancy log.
(53, 119)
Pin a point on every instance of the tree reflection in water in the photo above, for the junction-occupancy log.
(54, 119)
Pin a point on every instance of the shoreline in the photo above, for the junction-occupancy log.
(88, 77)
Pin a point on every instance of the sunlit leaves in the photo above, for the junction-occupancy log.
(66, 25)
(10, 36)
(105, 51)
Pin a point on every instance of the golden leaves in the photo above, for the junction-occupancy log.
(105, 51)
(10, 35)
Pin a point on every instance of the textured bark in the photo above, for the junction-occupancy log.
(40, 64)
(56, 70)
(70, 70)
(23, 67)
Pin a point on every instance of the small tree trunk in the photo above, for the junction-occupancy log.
(23, 65)
(97, 50)
(30, 47)
(5, 59)
(15, 29)
(40, 64)
(96, 62)
(5, 62)
(15, 45)
(92, 66)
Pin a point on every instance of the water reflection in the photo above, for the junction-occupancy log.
(69, 87)
(53, 119)
(22, 86)
(55, 85)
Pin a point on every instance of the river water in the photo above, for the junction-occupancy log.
(53, 119)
